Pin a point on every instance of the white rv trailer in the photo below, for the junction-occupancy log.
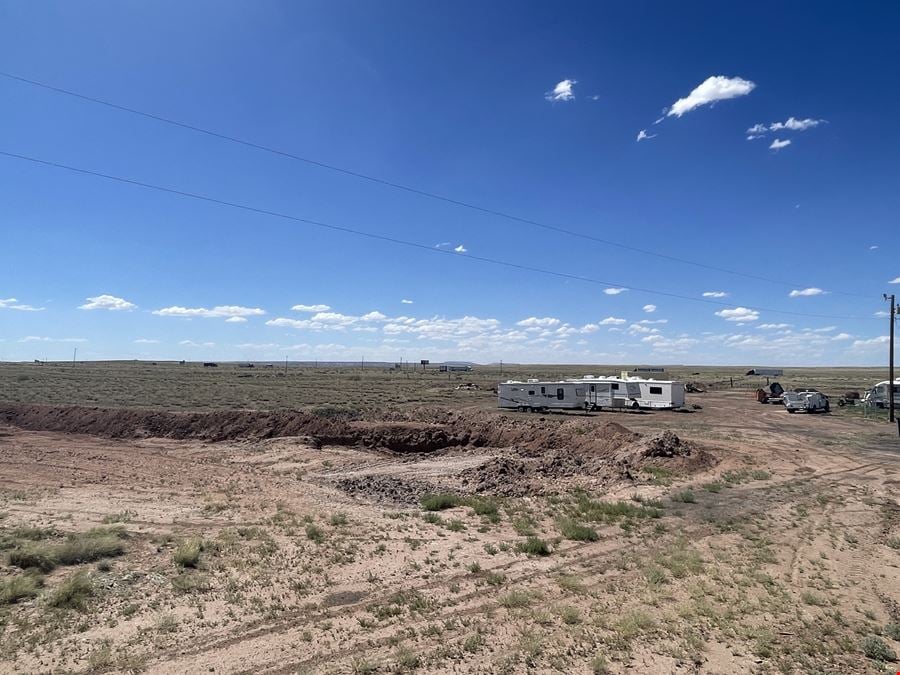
(879, 396)
(648, 393)
(625, 393)
(538, 395)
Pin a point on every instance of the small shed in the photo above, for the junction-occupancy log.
(766, 372)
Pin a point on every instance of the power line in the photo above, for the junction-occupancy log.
(403, 242)
(407, 188)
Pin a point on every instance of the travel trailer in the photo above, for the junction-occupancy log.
(624, 392)
(879, 396)
(648, 393)
(535, 395)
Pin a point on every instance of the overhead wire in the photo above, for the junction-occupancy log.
(407, 188)
(403, 242)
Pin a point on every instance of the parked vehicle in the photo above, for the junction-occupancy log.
(810, 401)
(879, 395)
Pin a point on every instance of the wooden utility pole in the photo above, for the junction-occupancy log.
(893, 314)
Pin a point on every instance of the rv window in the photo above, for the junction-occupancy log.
(531, 392)
(615, 386)
(592, 387)
(543, 390)
(579, 392)
(656, 390)
(560, 393)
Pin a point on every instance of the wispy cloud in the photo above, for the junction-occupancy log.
(791, 124)
(644, 136)
(219, 312)
(715, 294)
(310, 308)
(895, 280)
(563, 91)
(773, 326)
(738, 314)
(146, 341)
(806, 292)
(36, 338)
(236, 319)
(12, 303)
(871, 343)
(649, 308)
(461, 249)
(612, 321)
(614, 291)
(778, 144)
(191, 343)
(712, 89)
(406, 302)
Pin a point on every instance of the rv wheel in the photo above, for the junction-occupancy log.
(635, 405)
(791, 411)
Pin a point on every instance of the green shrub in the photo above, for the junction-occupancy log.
(486, 508)
(315, 533)
(877, 649)
(34, 556)
(597, 511)
(534, 546)
(73, 593)
(685, 496)
(191, 582)
(439, 502)
(88, 547)
(338, 519)
(187, 553)
(19, 587)
(575, 531)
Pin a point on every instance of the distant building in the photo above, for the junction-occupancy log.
(454, 368)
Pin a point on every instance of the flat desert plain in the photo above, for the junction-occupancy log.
(176, 519)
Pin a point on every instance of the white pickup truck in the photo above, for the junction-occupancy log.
(807, 400)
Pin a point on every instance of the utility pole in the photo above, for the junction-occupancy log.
(285, 366)
(75, 353)
(893, 314)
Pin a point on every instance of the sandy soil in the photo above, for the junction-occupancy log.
(755, 541)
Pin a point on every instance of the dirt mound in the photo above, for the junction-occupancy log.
(387, 489)
(231, 425)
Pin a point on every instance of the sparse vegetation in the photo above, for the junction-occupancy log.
(534, 546)
(571, 529)
(19, 587)
(439, 502)
(74, 592)
(877, 649)
(187, 553)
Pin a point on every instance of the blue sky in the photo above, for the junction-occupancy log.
(517, 107)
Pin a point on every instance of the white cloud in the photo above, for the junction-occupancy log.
(461, 249)
(191, 343)
(535, 322)
(12, 303)
(310, 308)
(614, 291)
(872, 343)
(146, 341)
(35, 338)
(895, 280)
(648, 322)
(406, 302)
(875, 247)
(778, 144)
(373, 316)
(882, 314)
(236, 319)
(639, 328)
(219, 312)
(841, 336)
(806, 292)
(563, 91)
(739, 314)
(649, 308)
(612, 321)
(715, 294)
(108, 302)
(644, 136)
(791, 124)
(773, 326)
(714, 88)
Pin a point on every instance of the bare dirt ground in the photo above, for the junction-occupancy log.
(736, 538)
